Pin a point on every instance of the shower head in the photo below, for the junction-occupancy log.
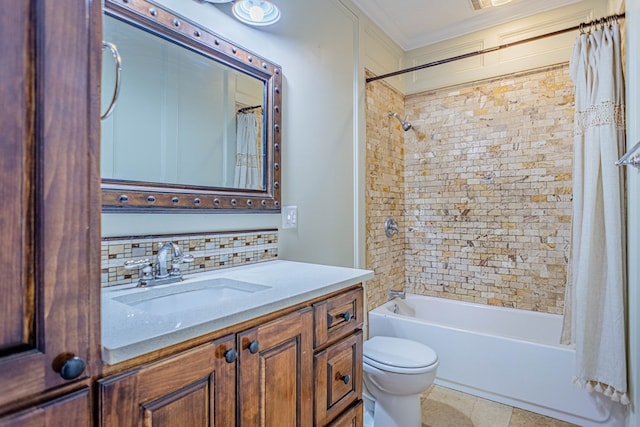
(405, 124)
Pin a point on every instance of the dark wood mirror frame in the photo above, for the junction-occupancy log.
(132, 196)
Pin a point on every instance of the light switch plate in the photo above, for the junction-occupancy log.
(290, 217)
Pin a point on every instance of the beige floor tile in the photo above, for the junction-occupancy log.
(443, 407)
(521, 418)
(439, 414)
(462, 402)
(490, 414)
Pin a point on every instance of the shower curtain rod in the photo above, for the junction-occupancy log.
(247, 109)
(580, 27)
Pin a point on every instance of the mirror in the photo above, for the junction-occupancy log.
(196, 122)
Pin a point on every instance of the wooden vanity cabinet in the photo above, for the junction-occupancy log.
(338, 359)
(265, 373)
(194, 388)
(261, 376)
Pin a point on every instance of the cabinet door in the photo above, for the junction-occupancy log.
(48, 186)
(194, 388)
(275, 373)
(70, 410)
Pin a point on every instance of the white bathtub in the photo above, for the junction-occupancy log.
(502, 354)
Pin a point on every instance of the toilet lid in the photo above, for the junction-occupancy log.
(398, 352)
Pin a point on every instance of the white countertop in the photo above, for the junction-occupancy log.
(128, 332)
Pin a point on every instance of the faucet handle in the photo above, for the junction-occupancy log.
(145, 265)
(176, 261)
(137, 263)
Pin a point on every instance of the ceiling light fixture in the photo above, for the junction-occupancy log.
(483, 4)
(499, 2)
(256, 12)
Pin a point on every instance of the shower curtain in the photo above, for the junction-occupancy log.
(595, 300)
(248, 173)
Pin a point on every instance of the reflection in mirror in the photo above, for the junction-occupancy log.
(175, 120)
(196, 121)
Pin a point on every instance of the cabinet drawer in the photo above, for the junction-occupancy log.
(338, 317)
(353, 417)
(338, 377)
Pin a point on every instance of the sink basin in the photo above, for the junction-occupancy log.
(189, 296)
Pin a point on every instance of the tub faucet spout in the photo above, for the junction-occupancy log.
(397, 294)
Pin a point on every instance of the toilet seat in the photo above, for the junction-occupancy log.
(399, 355)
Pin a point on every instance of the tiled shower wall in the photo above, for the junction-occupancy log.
(487, 190)
(212, 251)
(385, 191)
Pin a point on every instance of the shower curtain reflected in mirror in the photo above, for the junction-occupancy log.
(595, 302)
(248, 172)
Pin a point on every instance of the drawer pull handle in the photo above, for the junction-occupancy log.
(230, 355)
(345, 378)
(254, 347)
(346, 316)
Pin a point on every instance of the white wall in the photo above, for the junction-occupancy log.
(319, 46)
(527, 56)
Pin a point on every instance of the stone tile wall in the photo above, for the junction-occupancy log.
(212, 251)
(488, 190)
(384, 191)
(481, 188)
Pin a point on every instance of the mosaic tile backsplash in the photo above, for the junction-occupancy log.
(212, 251)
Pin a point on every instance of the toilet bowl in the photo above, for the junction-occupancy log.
(395, 372)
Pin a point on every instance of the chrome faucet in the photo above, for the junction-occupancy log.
(161, 275)
(397, 294)
(161, 271)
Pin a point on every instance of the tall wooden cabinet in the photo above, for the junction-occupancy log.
(49, 211)
(300, 366)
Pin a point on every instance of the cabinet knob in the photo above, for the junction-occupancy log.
(72, 368)
(346, 316)
(345, 378)
(254, 347)
(231, 355)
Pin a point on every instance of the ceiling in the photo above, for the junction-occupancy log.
(417, 23)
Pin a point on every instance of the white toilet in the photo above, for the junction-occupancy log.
(395, 372)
